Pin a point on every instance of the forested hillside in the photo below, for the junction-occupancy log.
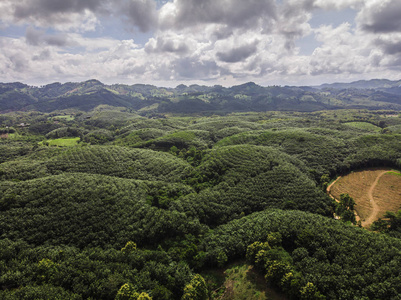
(148, 100)
(99, 202)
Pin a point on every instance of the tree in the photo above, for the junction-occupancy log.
(196, 289)
(129, 247)
(127, 292)
(324, 181)
(345, 208)
(310, 292)
(391, 222)
(394, 219)
(347, 202)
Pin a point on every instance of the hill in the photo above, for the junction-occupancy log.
(112, 201)
(148, 99)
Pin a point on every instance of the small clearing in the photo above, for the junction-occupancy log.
(239, 281)
(375, 191)
(63, 142)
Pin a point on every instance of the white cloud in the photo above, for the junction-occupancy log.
(228, 41)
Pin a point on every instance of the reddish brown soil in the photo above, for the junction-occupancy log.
(375, 191)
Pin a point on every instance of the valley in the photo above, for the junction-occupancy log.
(98, 201)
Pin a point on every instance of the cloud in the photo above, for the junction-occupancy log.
(390, 43)
(141, 13)
(381, 16)
(49, 8)
(194, 68)
(238, 54)
(195, 40)
(293, 21)
(14, 58)
(42, 56)
(38, 37)
(80, 15)
(235, 13)
(338, 4)
(343, 51)
(167, 43)
(61, 15)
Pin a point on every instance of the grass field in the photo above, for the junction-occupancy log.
(241, 281)
(67, 142)
(386, 192)
(15, 136)
(364, 126)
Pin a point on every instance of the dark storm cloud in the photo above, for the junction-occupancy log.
(166, 45)
(389, 47)
(38, 37)
(238, 54)
(382, 17)
(45, 9)
(235, 13)
(292, 19)
(141, 13)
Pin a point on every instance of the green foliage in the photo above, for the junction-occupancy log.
(64, 272)
(44, 291)
(309, 292)
(277, 265)
(322, 250)
(345, 208)
(237, 180)
(390, 224)
(254, 249)
(66, 214)
(98, 137)
(152, 100)
(319, 151)
(365, 126)
(64, 142)
(127, 292)
(196, 289)
(129, 247)
(65, 132)
(108, 160)
(74, 208)
(180, 139)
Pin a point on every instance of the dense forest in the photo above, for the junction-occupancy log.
(120, 202)
(149, 100)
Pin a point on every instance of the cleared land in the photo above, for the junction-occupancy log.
(63, 142)
(375, 191)
(240, 281)
(64, 117)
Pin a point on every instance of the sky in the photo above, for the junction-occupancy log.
(208, 42)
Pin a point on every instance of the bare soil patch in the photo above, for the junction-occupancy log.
(387, 193)
(375, 191)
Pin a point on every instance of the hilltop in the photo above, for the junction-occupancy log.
(148, 99)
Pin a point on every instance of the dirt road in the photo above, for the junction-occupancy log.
(329, 187)
(373, 214)
(375, 208)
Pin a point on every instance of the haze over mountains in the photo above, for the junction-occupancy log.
(145, 99)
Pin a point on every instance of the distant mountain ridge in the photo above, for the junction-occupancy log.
(364, 84)
(147, 99)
